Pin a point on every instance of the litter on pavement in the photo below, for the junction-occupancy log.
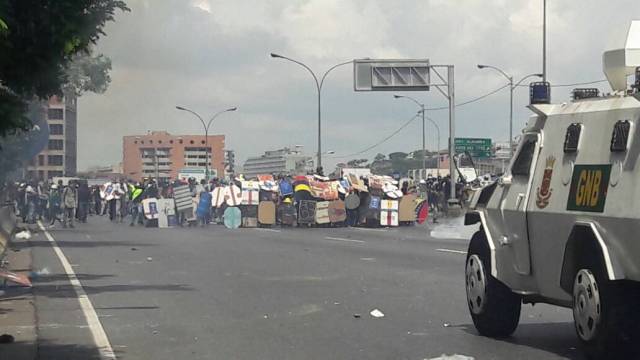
(25, 234)
(377, 313)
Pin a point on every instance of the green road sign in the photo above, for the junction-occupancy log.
(477, 147)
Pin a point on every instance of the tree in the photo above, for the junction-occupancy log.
(356, 163)
(398, 155)
(38, 41)
(379, 157)
(88, 73)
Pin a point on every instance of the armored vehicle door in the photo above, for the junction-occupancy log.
(515, 187)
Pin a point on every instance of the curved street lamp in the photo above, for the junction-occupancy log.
(206, 131)
(424, 151)
(319, 84)
(512, 87)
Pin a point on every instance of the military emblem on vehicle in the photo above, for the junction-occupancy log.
(588, 190)
(545, 190)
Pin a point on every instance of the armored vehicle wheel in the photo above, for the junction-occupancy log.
(494, 308)
(604, 315)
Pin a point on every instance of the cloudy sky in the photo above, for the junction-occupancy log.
(213, 54)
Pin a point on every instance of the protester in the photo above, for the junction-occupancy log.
(84, 195)
(136, 197)
(55, 202)
(97, 199)
(204, 206)
(69, 202)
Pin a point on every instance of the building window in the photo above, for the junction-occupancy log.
(56, 114)
(135, 141)
(55, 144)
(180, 141)
(41, 160)
(191, 142)
(54, 159)
(56, 129)
(150, 141)
(170, 141)
(55, 173)
(202, 142)
(159, 141)
(142, 142)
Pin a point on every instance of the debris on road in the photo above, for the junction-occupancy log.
(357, 316)
(6, 339)
(149, 258)
(446, 325)
(36, 274)
(376, 313)
(25, 234)
(134, 249)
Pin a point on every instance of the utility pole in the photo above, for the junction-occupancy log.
(452, 129)
(544, 40)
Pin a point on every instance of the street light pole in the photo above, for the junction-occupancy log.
(206, 133)
(424, 145)
(319, 90)
(512, 87)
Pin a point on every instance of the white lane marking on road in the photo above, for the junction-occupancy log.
(452, 251)
(97, 331)
(345, 240)
(370, 229)
(265, 229)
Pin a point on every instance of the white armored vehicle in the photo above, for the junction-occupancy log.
(562, 225)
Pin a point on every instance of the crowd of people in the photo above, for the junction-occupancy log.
(63, 204)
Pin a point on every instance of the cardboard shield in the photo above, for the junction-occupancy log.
(167, 210)
(337, 211)
(286, 188)
(150, 208)
(287, 214)
(322, 212)
(307, 212)
(232, 218)
(249, 222)
(389, 213)
(182, 197)
(422, 211)
(250, 197)
(352, 201)
(217, 196)
(407, 208)
(267, 213)
(233, 195)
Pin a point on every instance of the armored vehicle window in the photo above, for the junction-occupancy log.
(522, 165)
(620, 136)
(572, 138)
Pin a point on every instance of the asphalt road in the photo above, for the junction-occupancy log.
(213, 293)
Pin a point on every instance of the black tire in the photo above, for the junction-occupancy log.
(615, 332)
(494, 308)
